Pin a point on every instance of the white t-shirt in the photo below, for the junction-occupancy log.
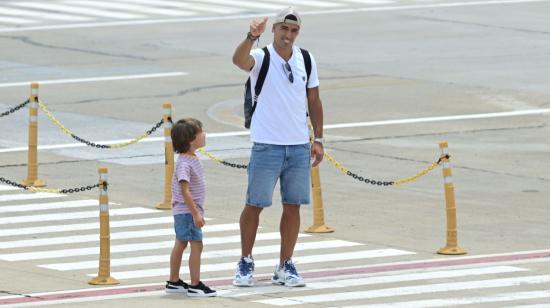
(280, 115)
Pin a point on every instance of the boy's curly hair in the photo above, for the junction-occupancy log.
(184, 132)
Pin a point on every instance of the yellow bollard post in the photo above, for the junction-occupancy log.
(104, 273)
(168, 157)
(452, 247)
(318, 212)
(32, 166)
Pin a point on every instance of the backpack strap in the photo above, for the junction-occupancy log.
(261, 77)
(307, 63)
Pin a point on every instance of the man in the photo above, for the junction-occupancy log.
(281, 149)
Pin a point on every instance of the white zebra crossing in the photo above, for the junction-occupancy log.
(27, 196)
(220, 258)
(73, 215)
(410, 290)
(72, 239)
(235, 253)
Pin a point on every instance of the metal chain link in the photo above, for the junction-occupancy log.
(14, 109)
(50, 190)
(214, 158)
(93, 144)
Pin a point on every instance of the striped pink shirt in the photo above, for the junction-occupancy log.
(188, 168)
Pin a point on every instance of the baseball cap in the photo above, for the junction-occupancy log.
(288, 15)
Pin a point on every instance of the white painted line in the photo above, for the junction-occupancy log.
(76, 10)
(258, 250)
(41, 15)
(49, 206)
(37, 255)
(326, 127)
(410, 290)
(500, 297)
(191, 6)
(15, 20)
(94, 79)
(29, 196)
(314, 3)
(132, 7)
(87, 226)
(375, 280)
(239, 3)
(9, 188)
(248, 16)
(343, 256)
(443, 118)
(371, 2)
(135, 234)
(74, 215)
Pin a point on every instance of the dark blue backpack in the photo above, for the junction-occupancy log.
(250, 101)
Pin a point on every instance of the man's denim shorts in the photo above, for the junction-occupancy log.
(270, 162)
(186, 229)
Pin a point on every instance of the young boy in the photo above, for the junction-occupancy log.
(188, 191)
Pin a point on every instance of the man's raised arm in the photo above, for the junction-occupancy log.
(242, 57)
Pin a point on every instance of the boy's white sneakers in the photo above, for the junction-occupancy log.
(287, 275)
(244, 273)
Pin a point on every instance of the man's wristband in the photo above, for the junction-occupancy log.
(251, 37)
(319, 140)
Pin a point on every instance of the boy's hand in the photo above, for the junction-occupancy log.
(198, 220)
(257, 26)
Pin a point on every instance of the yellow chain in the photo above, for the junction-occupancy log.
(70, 133)
(336, 164)
(416, 176)
(210, 155)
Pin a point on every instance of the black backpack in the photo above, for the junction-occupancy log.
(249, 101)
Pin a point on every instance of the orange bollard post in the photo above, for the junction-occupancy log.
(318, 212)
(452, 247)
(32, 166)
(104, 272)
(168, 157)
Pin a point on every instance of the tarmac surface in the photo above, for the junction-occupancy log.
(397, 78)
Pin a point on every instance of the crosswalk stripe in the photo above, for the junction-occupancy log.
(132, 7)
(86, 226)
(42, 15)
(410, 290)
(354, 282)
(500, 297)
(49, 206)
(114, 236)
(258, 250)
(313, 3)
(15, 20)
(190, 6)
(8, 188)
(371, 2)
(74, 215)
(355, 255)
(29, 196)
(47, 254)
(239, 3)
(77, 10)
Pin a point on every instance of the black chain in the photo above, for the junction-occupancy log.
(369, 181)
(63, 191)
(14, 109)
(232, 165)
(79, 189)
(106, 146)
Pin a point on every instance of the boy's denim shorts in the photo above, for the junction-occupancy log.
(186, 229)
(288, 163)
